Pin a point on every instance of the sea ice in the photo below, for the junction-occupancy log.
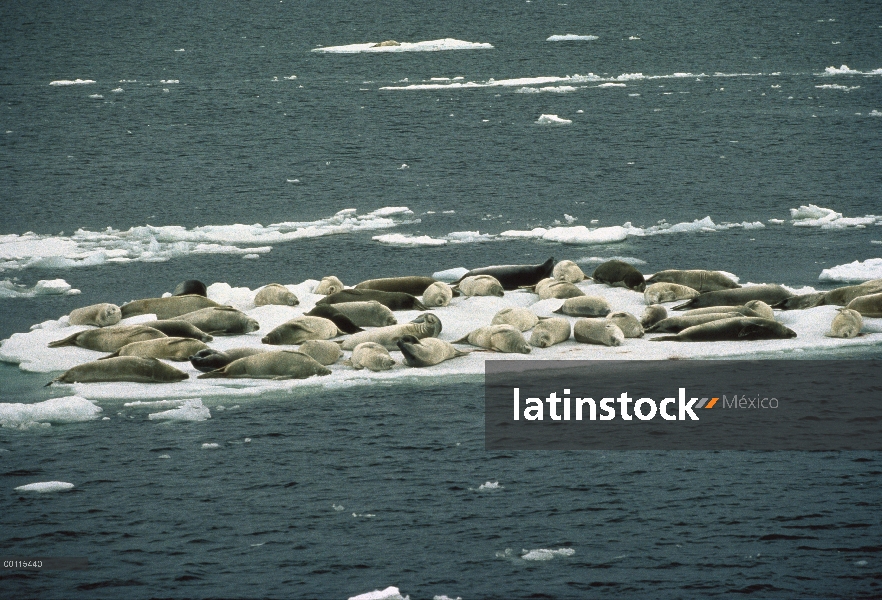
(192, 410)
(44, 487)
(390, 593)
(70, 409)
(427, 46)
(552, 120)
(571, 38)
(854, 271)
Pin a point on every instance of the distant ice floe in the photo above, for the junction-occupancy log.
(72, 82)
(158, 244)
(45, 487)
(855, 271)
(834, 86)
(456, 237)
(390, 593)
(827, 218)
(489, 485)
(192, 410)
(557, 89)
(70, 409)
(571, 38)
(552, 120)
(427, 46)
(844, 70)
(44, 287)
(875, 113)
(538, 554)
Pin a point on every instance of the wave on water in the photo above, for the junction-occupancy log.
(44, 287)
(61, 82)
(427, 46)
(854, 271)
(571, 38)
(157, 244)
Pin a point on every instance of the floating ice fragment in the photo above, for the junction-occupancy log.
(390, 593)
(44, 487)
(400, 239)
(69, 409)
(552, 120)
(571, 38)
(210, 446)
(854, 271)
(427, 46)
(545, 554)
(192, 410)
(72, 82)
(490, 485)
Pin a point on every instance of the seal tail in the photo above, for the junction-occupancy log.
(666, 338)
(216, 374)
(463, 340)
(114, 355)
(686, 305)
(68, 341)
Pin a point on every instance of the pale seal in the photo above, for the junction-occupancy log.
(427, 325)
(514, 276)
(842, 296)
(325, 352)
(166, 308)
(657, 293)
(567, 270)
(703, 281)
(99, 315)
(275, 294)
(175, 328)
(480, 285)
(868, 306)
(846, 324)
(598, 331)
(754, 308)
(549, 332)
(221, 320)
(552, 288)
(392, 300)
(300, 329)
(210, 359)
(802, 302)
(276, 364)
(371, 356)
(438, 294)
(109, 339)
(681, 322)
(522, 318)
(617, 273)
(585, 306)
(360, 314)
(768, 293)
(736, 329)
(170, 348)
(652, 315)
(628, 323)
(501, 338)
(122, 368)
(190, 286)
(427, 351)
(413, 285)
(328, 285)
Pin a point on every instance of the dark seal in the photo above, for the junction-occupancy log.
(328, 311)
(514, 276)
(413, 285)
(191, 286)
(391, 300)
(619, 274)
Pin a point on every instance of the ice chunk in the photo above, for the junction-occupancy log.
(427, 46)
(192, 410)
(72, 82)
(854, 271)
(571, 38)
(70, 409)
(210, 446)
(582, 235)
(44, 487)
(552, 120)
(545, 554)
(400, 239)
(390, 593)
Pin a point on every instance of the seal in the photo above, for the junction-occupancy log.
(190, 287)
(122, 368)
(501, 338)
(325, 352)
(567, 270)
(480, 285)
(628, 323)
(392, 300)
(514, 276)
(702, 281)
(170, 348)
(868, 306)
(276, 364)
(413, 285)
(99, 315)
(652, 315)
(210, 359)
(736, 329)
(842, 296)
(598, 331)
(617, 273)
(802, 302)
(585, 306)
(352, 316)
(427, 325)
(166, 308)
(754, 308)
(221, 320)
(371, 356)
(108, 339)
(328, 285)
(768, 293)
(657, 293)
(846, 324)
(174, 328)
(522, 318)
(300, 329)
(549, 332)
(681, 322)
(438, 294)
(331, 313)
(426, 352)
(275, 294)
(552, 288)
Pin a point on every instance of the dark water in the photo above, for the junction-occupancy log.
(219, 148)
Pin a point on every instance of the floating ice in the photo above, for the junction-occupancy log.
(611, 84)
(44, 487)
(591, 260)
(875, 113)
(827, 218)
(855, 271)
(428, 46)
(571, 38)
(545, 554)
(552, 120)
(559, 89)
(96, 96)
(582, 235)
(192, 410)
(70, 409)
(490, 485)
(54, 287)
(833, 86)
(72, 82)
(210, 446)
(390, 593)
(450, 274)
(537, 232)
(400, 239)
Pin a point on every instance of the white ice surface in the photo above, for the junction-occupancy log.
(552, 120)
(463, 315)
(62, 82)
(390, 593)
(570, 37)
(427, 46)
(855, 271)
(44, 487)
(827, 218)
(44, 287)
(70, 409)
(192, 410)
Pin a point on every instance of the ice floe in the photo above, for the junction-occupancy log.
(538, 554)
(844, 70)
(192, 410)
(427, 46)
(62, 82)
(827, 218)
(855, 271)
(571, 38)
(552, 120)
(70, 409)
(834, 86)
(45, 487)
(44, 287)
(390, 593)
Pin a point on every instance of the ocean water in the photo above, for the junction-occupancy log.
(201, 117)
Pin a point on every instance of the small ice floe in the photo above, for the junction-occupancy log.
(611, 85)
(251, 256)
(69, 409)
(393, 46)
(180, 50)
(489, 485)
(54, 287)
(390, 593)
(210, 446)
(169, 81)
(450, 274)
(776, 221)
(96, 96)
(293, 180)
(72, 82)
(291, 77)
(445, 597)
(875, 113)
(854, 271)
(861, 563)
(163, 456)
(403, 166)
(117, 90)
(633, 37)
(827, 218)
(538, 554)
(365, 515)
(192, 410)
(833, 86)
(571, 38)
(400, 239)
(45, 487)
(552, 120)
(247, 440)
(338, 507)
